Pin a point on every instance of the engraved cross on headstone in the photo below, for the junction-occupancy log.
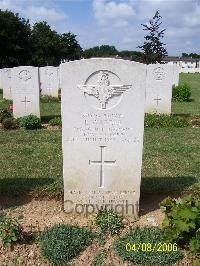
(102, 164)
(25, 101)
(157, 100)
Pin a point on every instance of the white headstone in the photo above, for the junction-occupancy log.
(159, 88)
(6, 83)
(103, 123)
(176, 75)
(25, 85)
(49, 81)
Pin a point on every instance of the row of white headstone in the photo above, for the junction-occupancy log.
(24, 84)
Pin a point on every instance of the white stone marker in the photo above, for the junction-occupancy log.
(176, 75)
(25, 85)
(6, 83)
(159, 88)
(103, 124)
(49, 80)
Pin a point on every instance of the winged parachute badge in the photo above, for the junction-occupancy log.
(103, 91)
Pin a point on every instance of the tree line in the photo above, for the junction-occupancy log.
(39, 45)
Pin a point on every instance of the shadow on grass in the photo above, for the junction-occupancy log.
(16, 191)
(47, 118)
(155, 189)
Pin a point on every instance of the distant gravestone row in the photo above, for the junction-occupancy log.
(48, 81)
(24, 84)
(28, 82)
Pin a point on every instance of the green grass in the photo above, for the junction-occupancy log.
(31, 159)
(192, 107)
(172, 155)
(49, 110)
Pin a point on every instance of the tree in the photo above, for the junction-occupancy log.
(14, 40)
(100, 51)
(50, 48)
(131, 55)
(191, 55)
(45, 45)
(153, 49)
(70, 48)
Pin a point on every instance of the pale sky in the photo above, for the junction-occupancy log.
(116, 22)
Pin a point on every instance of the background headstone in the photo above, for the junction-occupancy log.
(159, 84)
(49, 80)
(102, 127)
(25, 85)
(6, 83)
(176, 75)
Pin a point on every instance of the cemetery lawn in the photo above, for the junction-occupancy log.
(192, 107)
(33, 159)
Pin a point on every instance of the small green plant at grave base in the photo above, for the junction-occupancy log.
(164, 121)
(55, 121)
(109, 221)
(29, 122)
(181, 93)
(4, 113)
(146, 246)
(99, 259)
(100, 238)
(10, 230)
(48, 99)
(9, 123)
(182, 222)
(61, 243)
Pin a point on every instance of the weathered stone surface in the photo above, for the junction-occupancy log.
(6, 83)
(25, 87)
(49, 80)
(103, 123)
(159, 88)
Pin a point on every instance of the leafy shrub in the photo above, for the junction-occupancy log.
(55, 121)
(163, 121)
(182, 221)
(29, 122)
(194, 190)
(48, 99)
(195, 121)
(181, 93)
(4, 113)
(109, 221)
(61, 243)
(10, 230)
(9, 123)
(99, 259)
(146, 246)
